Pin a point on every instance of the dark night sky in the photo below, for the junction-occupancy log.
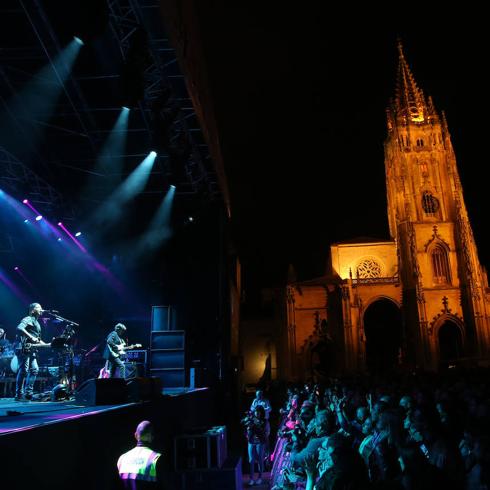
(301, 96)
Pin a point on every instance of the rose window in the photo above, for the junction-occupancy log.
(368, 268)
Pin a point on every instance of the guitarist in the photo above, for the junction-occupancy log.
(28, 332)
(114, 345)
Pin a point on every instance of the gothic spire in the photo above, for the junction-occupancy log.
(409, 99)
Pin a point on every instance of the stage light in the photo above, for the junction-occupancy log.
(78, 40)
(16, 268)
(124, 108)
(60, 223)
(60, 239)
(172, 187)
(25, 201)
(39, 217)
(78, 233)
(26, 221)
(60, 392)
(153, 153)
(190, 218)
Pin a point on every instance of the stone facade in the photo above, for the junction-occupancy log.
(429, 269)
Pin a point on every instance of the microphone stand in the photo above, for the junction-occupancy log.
(68, 332)
(61, 319)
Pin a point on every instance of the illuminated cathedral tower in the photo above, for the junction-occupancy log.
(445, 296)
(419, 299)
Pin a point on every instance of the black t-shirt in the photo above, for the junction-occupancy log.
(31, 324)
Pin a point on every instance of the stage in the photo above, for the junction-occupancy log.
(62, 444)
(20, 416)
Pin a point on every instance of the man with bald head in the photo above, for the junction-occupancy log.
(138, 468)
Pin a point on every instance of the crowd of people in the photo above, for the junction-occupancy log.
(415, 432)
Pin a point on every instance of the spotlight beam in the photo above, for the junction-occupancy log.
(40, 94)
(75, 241)
(12, 287)
(159, 229)
(112, 209)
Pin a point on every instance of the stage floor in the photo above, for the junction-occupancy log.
(20, 416)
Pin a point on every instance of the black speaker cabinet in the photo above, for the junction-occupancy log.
(162, 318)
(140, 389)
(94, 391)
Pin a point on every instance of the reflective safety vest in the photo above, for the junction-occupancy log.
(138, 464)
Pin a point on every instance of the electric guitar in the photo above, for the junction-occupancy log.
(27, 345)
(122, 348)
(104, 373)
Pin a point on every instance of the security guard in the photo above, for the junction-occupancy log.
(138, 467)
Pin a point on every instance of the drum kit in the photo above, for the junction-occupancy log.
(7, 354)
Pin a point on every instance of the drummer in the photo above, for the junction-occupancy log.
(4, 343)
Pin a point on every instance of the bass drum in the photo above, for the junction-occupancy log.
(14, 364)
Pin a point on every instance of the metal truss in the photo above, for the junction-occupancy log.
(19, 180)
(79, 117)
(164, 82)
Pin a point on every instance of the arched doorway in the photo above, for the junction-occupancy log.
(450, 342)
(383, 330)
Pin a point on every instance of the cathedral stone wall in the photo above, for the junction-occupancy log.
(310, 303)
(429, 268)
(376, 259)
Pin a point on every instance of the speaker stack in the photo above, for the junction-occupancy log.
(167, 348)
(114, 391)
(111, 391)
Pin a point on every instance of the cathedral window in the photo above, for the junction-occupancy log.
(440, 265)
(368, 268)
(430, 204)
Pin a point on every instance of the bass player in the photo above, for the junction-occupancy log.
(29, 339)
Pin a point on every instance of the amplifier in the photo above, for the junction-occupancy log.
(138, 356)
(134, 370)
